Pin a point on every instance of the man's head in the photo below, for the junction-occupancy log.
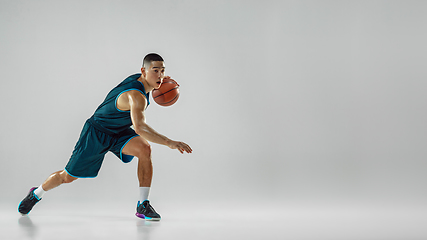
(153, 70)
(151, 57)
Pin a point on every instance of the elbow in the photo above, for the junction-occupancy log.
(140, 130)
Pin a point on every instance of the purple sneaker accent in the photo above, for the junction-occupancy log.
(145, 211)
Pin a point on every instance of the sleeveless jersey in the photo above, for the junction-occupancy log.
(108, 116)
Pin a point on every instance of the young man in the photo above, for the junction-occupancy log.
(109, 130)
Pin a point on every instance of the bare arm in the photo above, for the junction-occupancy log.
(137, 105)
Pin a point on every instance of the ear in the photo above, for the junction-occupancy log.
(143, 72)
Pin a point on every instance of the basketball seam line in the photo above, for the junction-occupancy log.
(170, 100)
(166, 92)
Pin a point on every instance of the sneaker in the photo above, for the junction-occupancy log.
(28, 202)
(146, 211)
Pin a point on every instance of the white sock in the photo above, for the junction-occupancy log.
(39, 191)
(143, 193)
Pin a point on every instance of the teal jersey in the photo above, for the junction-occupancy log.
(108, 116)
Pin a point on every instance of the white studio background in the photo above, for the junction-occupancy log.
(315, 101)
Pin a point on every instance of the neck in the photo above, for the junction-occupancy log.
(144, 82)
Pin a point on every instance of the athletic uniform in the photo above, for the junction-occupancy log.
(107, 130)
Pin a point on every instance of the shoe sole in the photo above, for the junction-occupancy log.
(146, 218)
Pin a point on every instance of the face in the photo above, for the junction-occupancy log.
(154, 74)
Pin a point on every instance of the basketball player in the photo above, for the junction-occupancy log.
(109, 130)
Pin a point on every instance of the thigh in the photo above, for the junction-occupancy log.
(88, 154)
(136, 147)
(128, 145)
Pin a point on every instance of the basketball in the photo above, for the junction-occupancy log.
(167, 94)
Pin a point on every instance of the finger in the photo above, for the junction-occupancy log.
(188, 148)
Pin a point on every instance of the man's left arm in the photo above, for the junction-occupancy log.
(138, 104)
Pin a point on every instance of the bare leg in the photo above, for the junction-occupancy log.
(56, 179)
(145, 172)
(141, 149)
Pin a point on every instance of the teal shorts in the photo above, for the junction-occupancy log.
(93, 144)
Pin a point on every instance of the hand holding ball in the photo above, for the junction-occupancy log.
(167, 94)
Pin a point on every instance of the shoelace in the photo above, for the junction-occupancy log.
(32, 197)
(149, 207)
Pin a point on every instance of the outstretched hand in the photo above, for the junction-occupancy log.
(181, 146)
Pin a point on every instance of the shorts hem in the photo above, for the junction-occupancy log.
(72, 175)
(121, 151)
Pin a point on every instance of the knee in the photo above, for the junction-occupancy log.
(144, 151)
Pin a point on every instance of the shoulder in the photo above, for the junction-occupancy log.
(131, 99)
(136, 94)
(135, 97)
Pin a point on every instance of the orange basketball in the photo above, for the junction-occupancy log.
(167, 94)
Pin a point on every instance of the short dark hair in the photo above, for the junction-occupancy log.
(151, 57)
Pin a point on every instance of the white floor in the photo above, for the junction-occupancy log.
(219, 222)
